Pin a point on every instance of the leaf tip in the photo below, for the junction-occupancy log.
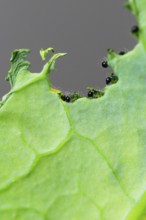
(43, 53)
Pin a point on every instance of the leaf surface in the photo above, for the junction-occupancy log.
(75, 161)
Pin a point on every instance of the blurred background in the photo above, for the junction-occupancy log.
(82, 28)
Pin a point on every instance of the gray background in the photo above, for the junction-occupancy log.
(85, 29)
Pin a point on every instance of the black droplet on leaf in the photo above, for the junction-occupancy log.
(122, 52)
(108, 80)
(67, 99)
(90, 94)
(104, 64)
(134, 29)
(63, 97)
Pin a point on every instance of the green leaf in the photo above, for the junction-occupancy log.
(75, 161)
(18, 64)
(44, 53)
